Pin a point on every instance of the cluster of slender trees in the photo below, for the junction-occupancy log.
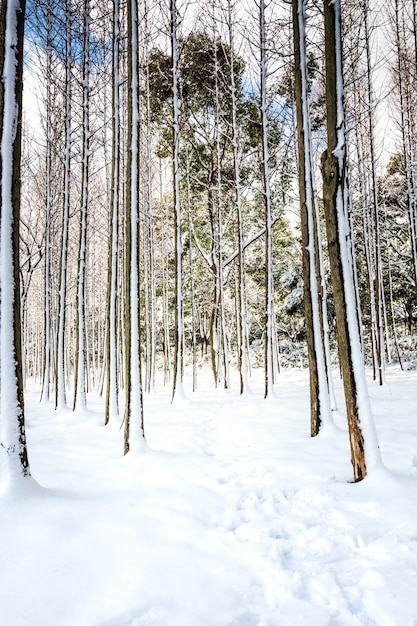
(146, 205)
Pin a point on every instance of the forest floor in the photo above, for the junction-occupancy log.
(232, 516)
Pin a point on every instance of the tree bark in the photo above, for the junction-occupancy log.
(269, 283)
(338, 236)
(134, 427)
(241, 282)
(179, 304)
(112, 405)
(60, 351)
(14, 460)
(80, 325)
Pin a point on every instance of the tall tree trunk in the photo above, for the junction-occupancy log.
(60, 355)
(192, 286)
(320, 410)
(179, 305)
(379, 291)
(46, 375)
(269, 286)
(165, 284)
(13, 451)
(241, 290)
(402, 79)
(219, 251)
(150, 237)
(80, 324)
(223, 340)
(112, 405)
(363, 442)
(134, 427)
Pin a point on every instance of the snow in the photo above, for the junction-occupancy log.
(232, 516)
(10, 409)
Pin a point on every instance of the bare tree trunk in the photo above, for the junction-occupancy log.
(80, 325)
(112, 405)
(60, 356)
(269, 285)
(151, 290)
(14, 461)
(179, 305)
(241, 291)
(361, 427)
(379, 292)
(134, 426)
(192, 287)
(402, 78)
(320, 411)
(46, 380)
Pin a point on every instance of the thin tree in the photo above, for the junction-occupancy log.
(269, 285)
(235, 140)
(60, 355)
(378, 279)
(133, 418)
(46, 381)
(402, 75)
(179, 304)
(112, 405)
(80, 324)
(191, 279)
(149, 261)
(320, 410)
(220, 291)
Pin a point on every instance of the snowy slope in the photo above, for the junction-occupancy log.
(233, 517)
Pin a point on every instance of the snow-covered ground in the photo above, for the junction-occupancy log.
(234, 516)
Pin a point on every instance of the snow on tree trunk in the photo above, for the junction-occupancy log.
(149, 239)
(377, 274)
(179, 305)
(13, 452)
(80, 352)
(60, 365)
(365, 453)
(46, 380)
(240, 285)
(319, 388)
(269, 286)
(223, 330)
(112, 405)
(406, 128)
(192, 285)
(134, 427)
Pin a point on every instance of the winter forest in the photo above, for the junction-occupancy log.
(208, 308)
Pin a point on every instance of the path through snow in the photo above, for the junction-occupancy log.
(234, 517)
